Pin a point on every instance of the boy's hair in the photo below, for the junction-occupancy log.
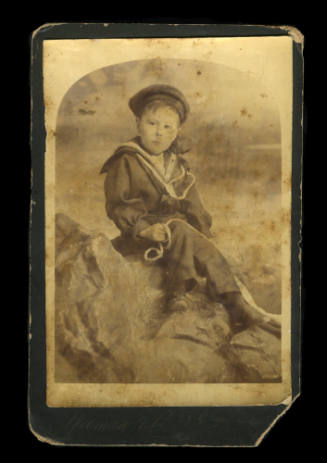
(160, 103)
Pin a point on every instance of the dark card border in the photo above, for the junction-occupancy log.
(175, 426)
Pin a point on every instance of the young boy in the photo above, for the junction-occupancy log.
(152, 197)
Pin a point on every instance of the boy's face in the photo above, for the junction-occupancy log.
(158, 128)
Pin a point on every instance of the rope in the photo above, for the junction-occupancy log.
(159, 251)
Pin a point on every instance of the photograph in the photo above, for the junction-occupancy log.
(168, 221)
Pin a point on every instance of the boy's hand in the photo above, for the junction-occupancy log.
(155, 232)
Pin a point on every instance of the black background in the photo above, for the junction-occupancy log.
(297, 429)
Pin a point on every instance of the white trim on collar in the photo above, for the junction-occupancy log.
(145, 157)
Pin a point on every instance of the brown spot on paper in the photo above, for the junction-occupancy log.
(86, 111)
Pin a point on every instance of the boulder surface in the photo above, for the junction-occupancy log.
(112, 324)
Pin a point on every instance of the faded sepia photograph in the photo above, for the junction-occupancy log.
(166, 219)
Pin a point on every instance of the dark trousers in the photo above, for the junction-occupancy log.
(192, 256)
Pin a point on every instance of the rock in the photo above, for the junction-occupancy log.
(260, 351)
(112, 324)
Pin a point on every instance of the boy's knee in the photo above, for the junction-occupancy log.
(181, 227)
(180, 230)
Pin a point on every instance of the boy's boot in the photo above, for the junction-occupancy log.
(176, 295)
(243, 315)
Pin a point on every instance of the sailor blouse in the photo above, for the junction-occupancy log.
(139, 194)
